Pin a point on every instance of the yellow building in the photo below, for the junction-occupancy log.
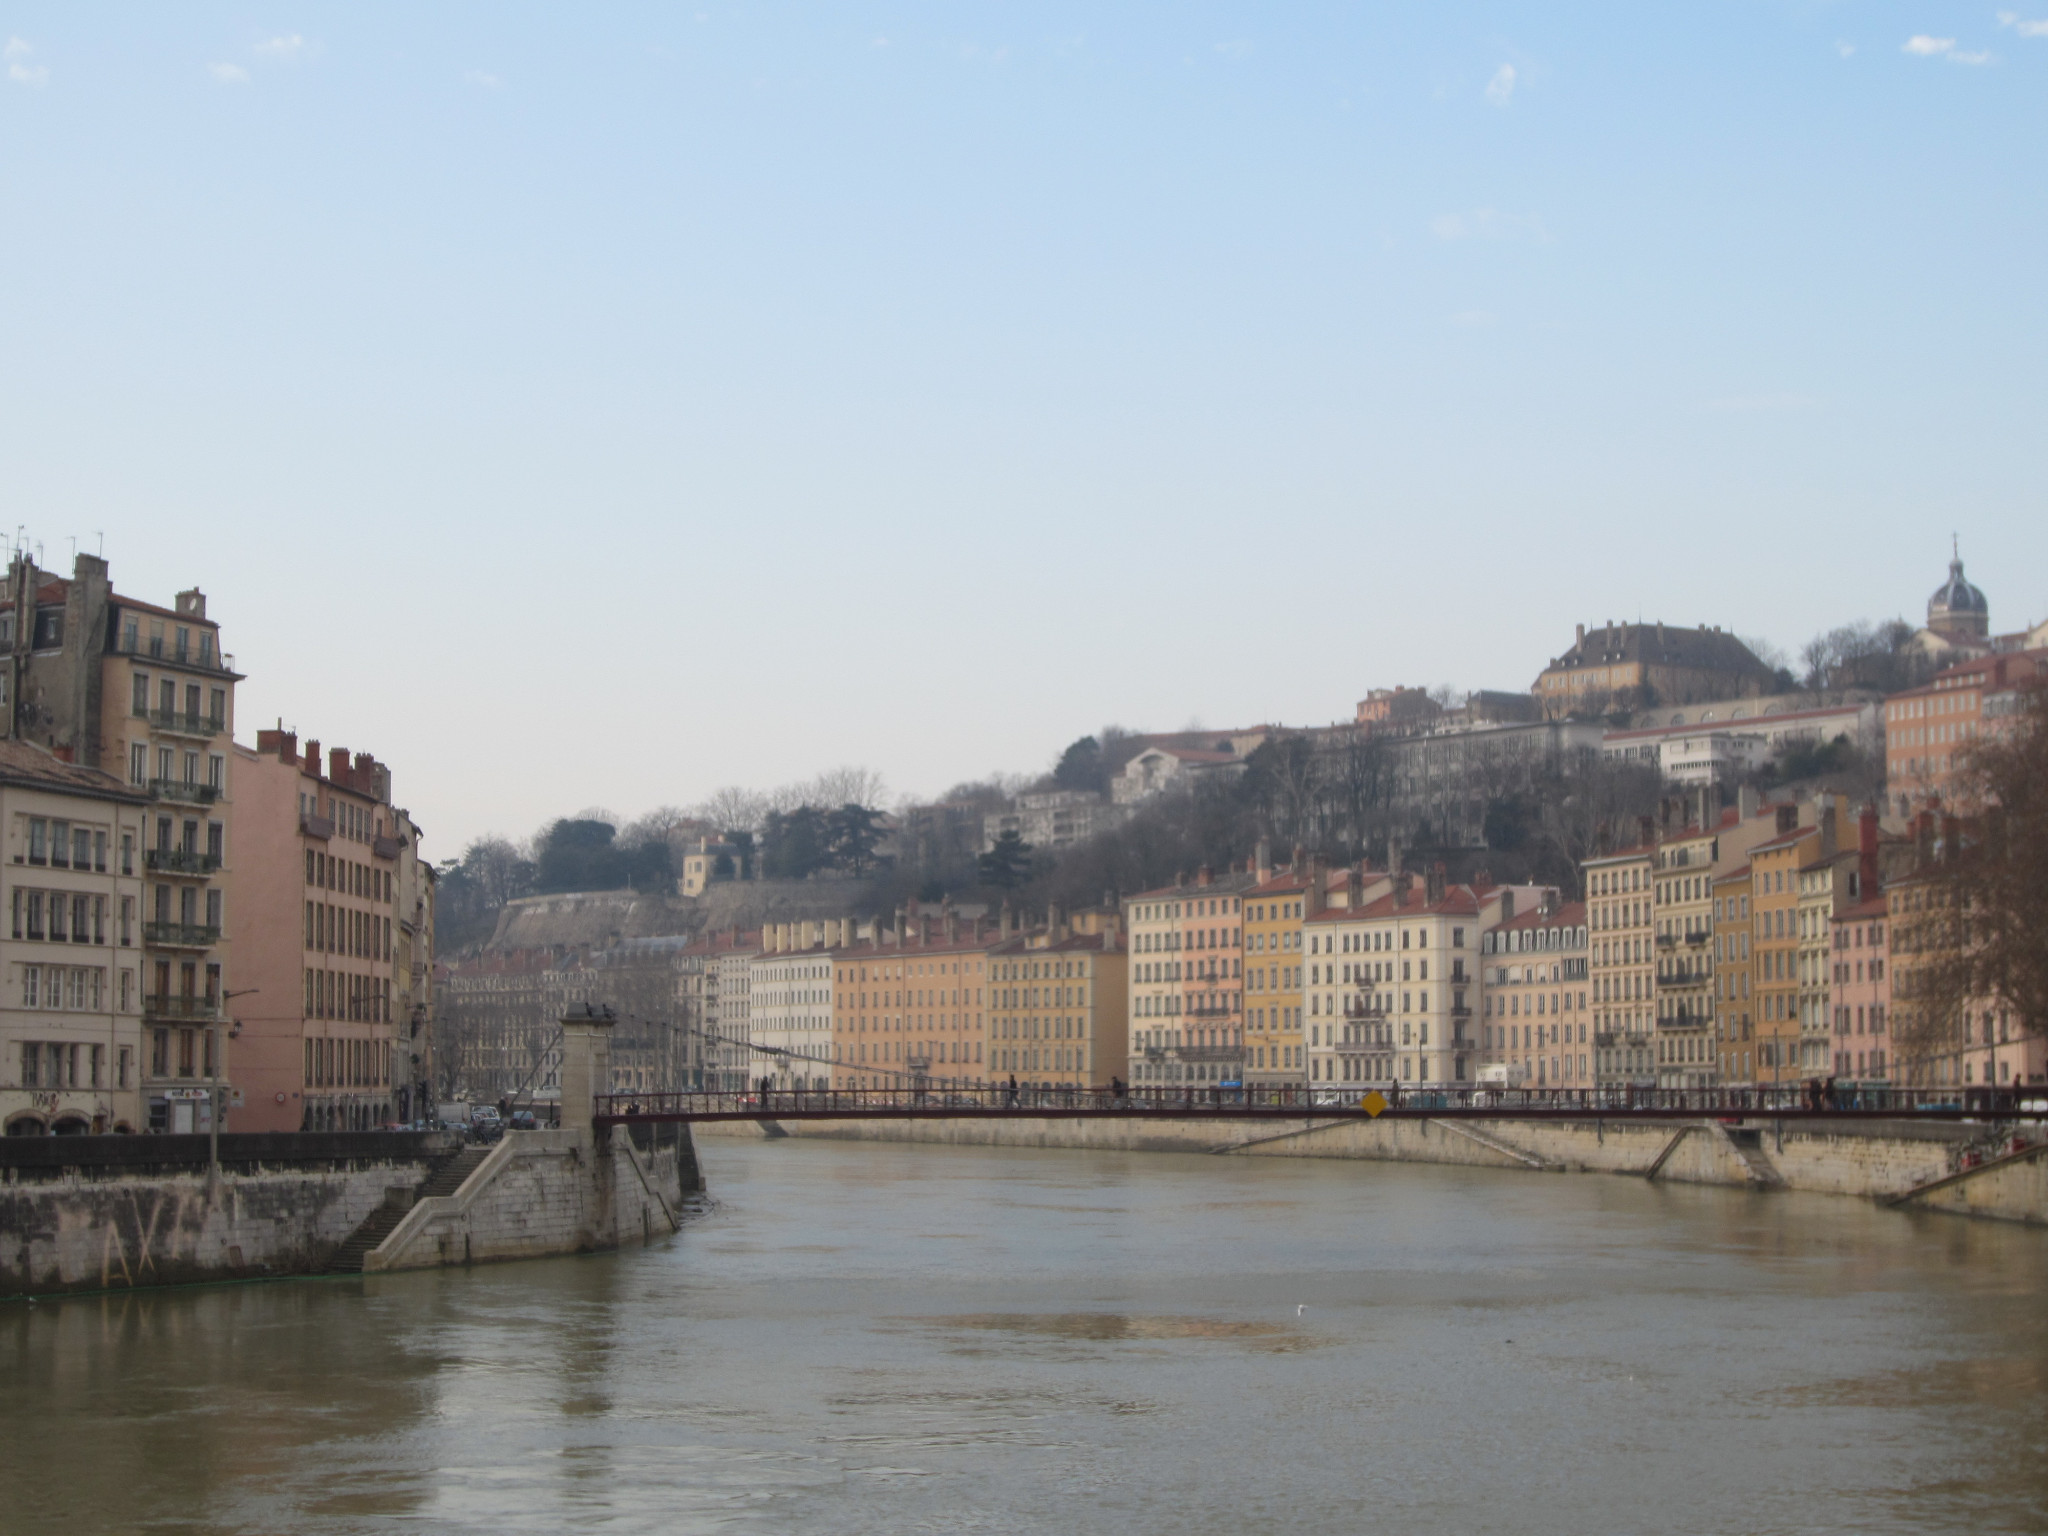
(909, 1007)
(1734, 977)
(1274, 911)
(1621, 964)
(1059, 1005)
(1622, 667)
(1774, 868)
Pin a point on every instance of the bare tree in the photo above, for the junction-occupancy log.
(734, 809)
(847, 786)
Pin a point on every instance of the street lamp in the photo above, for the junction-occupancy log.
(219, 1053)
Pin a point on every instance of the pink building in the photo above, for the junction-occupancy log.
(1860, 985)
(315, 881)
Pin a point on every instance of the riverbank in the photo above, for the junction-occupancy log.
(1967, 1169)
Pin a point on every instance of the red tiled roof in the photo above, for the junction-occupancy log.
(1571, 914)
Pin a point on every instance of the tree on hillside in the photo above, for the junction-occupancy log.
(1080, 767)
(794, 844)
(851, 834)
(581, 854)
(1008, 863)
(473, 889)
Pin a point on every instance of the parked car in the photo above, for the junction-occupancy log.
(522, 1120)
(484, 1123)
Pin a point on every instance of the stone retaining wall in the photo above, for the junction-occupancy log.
(1873, 1159)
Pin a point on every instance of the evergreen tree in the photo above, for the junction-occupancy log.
(1008, 863)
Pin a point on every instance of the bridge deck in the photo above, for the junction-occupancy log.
(1323, 1104)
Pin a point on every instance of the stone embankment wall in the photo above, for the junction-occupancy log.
(542, 1192)
(81, 1213)
(90, 1213)
(1887, 1160)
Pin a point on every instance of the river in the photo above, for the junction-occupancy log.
(875, 1338)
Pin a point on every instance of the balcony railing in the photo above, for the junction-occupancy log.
(1211, 1053)
(180, 935)
(182, 723)
(173, 1005)
(204, 657)
(184, 790)
(321, 827)
(180, 861)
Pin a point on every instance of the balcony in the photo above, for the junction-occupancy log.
(165, 648)
(385, 847)
(180, 861)
(184, 791)
(1211, 1053)
(321, 827)
(1695, 937)
(178, 722)
(1211, 1013)
(173, 1005)
(180, 935)
(1667, 940)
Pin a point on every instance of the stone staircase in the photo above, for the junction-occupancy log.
(378, 1225)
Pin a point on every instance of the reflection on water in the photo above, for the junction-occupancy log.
(873, 1338)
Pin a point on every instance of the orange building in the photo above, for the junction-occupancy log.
(1059, 1004)
(1734, 976)
(1928, 730)
(910, 1005)
(1782, 1055)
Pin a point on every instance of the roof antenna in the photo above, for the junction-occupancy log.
(101, 534)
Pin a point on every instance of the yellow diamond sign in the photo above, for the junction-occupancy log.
(1374, 1104)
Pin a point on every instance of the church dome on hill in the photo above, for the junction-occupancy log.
(1957, 611)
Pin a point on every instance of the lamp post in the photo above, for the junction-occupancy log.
(219, 1053)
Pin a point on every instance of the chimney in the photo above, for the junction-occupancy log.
(1314, 904)
(1788, 818)
(1109, 938)
(1482, 880)
(1354, 890)
(1746, 801)
(1393, 856)
(1550, 901)
(312, 758)
(1262, 860)
(1581, 640)
(1009, 918)
(1507, 904)
(1866, 852)
(337, 766)
(1646, 830)
(1298, 858)
(1435, 883)
(1204, 875)
(1829, 835)
(1054, 926)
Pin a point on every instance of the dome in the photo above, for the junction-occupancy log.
(1957, 608)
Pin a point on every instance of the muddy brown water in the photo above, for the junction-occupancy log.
(875, 1338)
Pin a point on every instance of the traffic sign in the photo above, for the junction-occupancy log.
(1374, 1103)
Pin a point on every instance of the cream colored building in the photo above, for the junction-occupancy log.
(1534, 1030)
(71, 1028)
(1621, 964)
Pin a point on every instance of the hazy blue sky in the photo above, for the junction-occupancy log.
(602, 403)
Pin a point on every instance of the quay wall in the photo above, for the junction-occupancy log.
(1885, 1160)
(91, 1213)
(83, 1213)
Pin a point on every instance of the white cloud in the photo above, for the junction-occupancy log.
(1500, 90)
(1487, 224)
(19, 70)
(2020, 25)
(1928, 47)
(1981, 57)
(282, 47)
(1845, 49)
(484, 78)
(228, 74)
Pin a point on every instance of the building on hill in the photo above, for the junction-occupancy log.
(1054, 818)
(1398, 710)
(1929, 730)
(1618, 668)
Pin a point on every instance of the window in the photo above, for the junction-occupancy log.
(215, 840)
(140, 704)
(81, 849)
(38, 840)
(49, 628)
(99, 852)
(127, 855)
(138, 763)
(216, 769)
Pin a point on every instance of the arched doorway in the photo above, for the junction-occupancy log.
(71, 1125)
(26, 1125)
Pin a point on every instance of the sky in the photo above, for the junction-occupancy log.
(604, 404)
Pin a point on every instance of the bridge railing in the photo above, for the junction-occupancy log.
(1789, 1099)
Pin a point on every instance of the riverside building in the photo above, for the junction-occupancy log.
(72, 1041)
(1274, 913)
(1059, 1012)
(1534, 1030)
(910, 1005)
(1621, 966)
(329, 1038)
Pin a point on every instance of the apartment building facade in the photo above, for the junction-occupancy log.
(910, 1006)
(1861, 991)
(1156, 925)
(1274, 912)
(791, 989)
(72, 1043)
(326, 1041)
(1535, 1014)
(1060, 1005)
(1621, 963)
(1734, 975)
